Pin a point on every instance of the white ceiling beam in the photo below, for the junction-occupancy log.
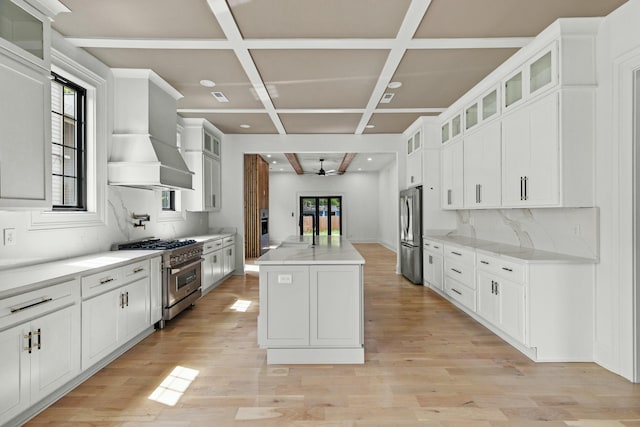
(306, 44)
(410, 24)
(221, 10)
(310, 110)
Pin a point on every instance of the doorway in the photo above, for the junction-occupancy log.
(321, 215)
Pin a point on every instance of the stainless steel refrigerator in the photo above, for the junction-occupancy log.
(411, 234)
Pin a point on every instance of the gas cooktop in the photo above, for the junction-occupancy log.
(154, 244)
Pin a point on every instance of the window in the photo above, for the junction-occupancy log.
(68, 145)
(169, 200)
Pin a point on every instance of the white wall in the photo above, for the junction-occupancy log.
(360, 195)
(235, 146)
(38, 245)
(618, 43)
(388, 206)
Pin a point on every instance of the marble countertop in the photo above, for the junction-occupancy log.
(298, 250)
(24, 279)
(518, 253)
(209, 237)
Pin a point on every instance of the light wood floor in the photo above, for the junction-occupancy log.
(427, 364)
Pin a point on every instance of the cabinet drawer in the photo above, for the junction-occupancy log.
(212, 246)
(505, 268)
(462, 273)
(25, 306)
(433, 247)
(228, 241)
(98, 283)
(460, 255)
(460, 293)
(132, 272)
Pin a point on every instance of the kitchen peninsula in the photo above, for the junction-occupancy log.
(311, 302)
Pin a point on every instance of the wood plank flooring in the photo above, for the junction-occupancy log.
(427, 364)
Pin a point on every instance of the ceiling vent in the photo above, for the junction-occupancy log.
(386, 98)
(219, 96)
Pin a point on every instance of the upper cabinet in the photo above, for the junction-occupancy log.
(414, 159)
(25, 120)
(201, 147)
(528, 129)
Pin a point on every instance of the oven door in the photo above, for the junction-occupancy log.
(183, 280)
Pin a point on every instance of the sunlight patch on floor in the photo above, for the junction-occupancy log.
(251, 268)
(241, 305)
(174, 385)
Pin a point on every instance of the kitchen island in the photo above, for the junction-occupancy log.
(311, 302)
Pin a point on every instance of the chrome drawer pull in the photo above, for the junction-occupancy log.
(506, 269)
(30, 304)
(106, 280)
(138, 270)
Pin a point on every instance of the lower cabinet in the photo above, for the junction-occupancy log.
(39, 355)
(433, 264)
(228, 256)
(112, 318)
(213, 264)
(502, 302)
(310, 306)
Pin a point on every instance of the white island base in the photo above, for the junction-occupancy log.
(311, 302)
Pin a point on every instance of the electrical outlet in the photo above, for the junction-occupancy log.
(576, 230)
(9, 236)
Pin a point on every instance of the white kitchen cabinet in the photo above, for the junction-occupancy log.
(483, 167)
(333, 298)
(40, 345)
(414, 159)
(452, 170)
(228, 255)
(433, 264)
(502, 302)
(459, 275)
(201, 149)
(212, 264)
(307, 307)
(25, 146)
(155, 283)
(116, 307)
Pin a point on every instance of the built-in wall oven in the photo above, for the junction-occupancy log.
(264, 231)
(181, 272)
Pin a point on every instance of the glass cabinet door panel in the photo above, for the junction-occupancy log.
(513, 90)
(445, 132)
(455, 126)
(21, 29)
(471, 116)
(490, 104)
(540, 72)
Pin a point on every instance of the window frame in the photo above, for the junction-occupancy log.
(80, 147)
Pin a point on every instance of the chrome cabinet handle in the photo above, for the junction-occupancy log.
(507, 269)
(526, 190)
(457, 271)
(484, 262)
(456, 291)
(106, 280)
(449, 196)
(456, 253)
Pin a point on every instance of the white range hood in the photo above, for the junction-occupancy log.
(143, 151)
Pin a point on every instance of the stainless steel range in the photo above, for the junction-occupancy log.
(181, 272)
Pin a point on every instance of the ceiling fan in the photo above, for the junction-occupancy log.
(322, 172)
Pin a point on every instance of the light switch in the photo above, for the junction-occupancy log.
(9, 236)
(285, 278)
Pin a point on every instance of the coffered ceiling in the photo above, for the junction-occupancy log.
(314, 66)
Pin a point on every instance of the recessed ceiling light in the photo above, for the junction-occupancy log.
(370, 126)
(274, 162)
(207, 83)
(369, 159)
(269, 155)
(394, 85)
(281, 169)
(244, 126)
(359, 169)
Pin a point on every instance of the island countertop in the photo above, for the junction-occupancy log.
(299, 250)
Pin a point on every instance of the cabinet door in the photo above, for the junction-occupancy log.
(487, 299)
(136, 309)
(542, 180)
(286, 306)
(512, 308)
(207, 270)
(229, 262)
(155, 289)
(482, 167)
(433, 270)
(427, 263)
(25, 146)
(55, 359)
(216, 185)
(217, 265)
(515, 156)
(452, 175)
(100, 323)
(14, 372)
(414, 169)
(207, 180)
(335, 306)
